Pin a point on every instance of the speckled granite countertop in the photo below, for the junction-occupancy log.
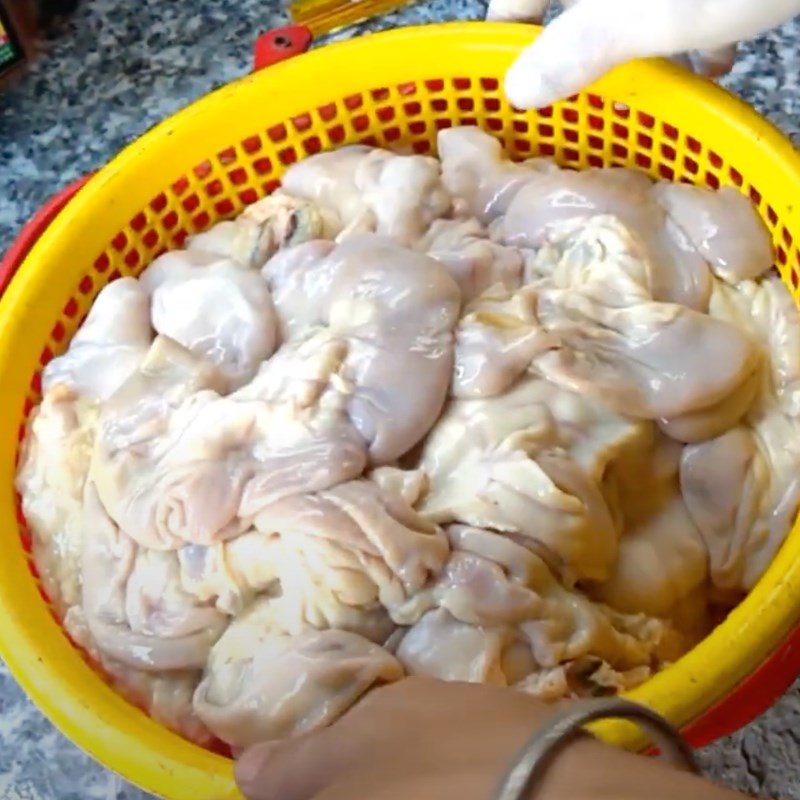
(113, 71)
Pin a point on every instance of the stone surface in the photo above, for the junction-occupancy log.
(113, 70)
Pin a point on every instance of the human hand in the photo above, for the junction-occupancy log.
(422, 739)
(592, 36)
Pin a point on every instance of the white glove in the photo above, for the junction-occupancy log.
(592, 36)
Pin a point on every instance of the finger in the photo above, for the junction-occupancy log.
(517, 10)
(572, 51)
(291, 769)
(716, 62)
(591, 37)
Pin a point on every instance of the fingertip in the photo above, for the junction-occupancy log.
(525, 86)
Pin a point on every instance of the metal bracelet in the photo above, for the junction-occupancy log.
(540, 750)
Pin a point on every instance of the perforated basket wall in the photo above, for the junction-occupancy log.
(393, 90)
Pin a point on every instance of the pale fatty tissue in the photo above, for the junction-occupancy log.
(467, 418)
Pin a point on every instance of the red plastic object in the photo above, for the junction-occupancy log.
(33, 229)
(279, 44)
(752, 697)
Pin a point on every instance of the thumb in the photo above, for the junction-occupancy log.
(592, 36)
(571, 52)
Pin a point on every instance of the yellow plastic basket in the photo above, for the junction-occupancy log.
(207, 162)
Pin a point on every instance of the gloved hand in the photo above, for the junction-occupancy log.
(592, 36)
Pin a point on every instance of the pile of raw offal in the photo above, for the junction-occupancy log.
(464, 417)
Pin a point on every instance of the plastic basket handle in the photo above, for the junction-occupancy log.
(279, 44)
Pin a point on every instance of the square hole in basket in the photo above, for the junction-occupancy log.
(277, 133)
(312, 145)
(327, 112)
(569, 115)
(594, 142)
(287, 156)
(227, 156)
(670, 131)
(619, 130)
(270, 186)
(213, 188)
(252, 144)
(248, 196)
(159, 203)
(301, 123)
(645, 120)
(138, 222)
(621, 110)
(354, 101)
(263, 166)
(201, 221)
(596, 123)
(772, 217)
(71, 308)
(191, 203)
(202, 170)
(180, 186)
(237, 176)
(224, 207)
(336, 134)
